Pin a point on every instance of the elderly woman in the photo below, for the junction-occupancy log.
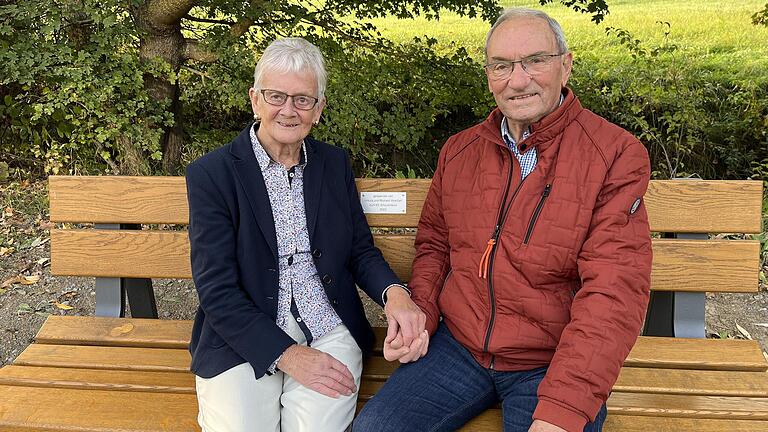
(278, 241)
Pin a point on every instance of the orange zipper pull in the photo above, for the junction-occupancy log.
(485, 260)
(482, 272)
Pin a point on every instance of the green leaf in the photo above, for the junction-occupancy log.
(24, 308)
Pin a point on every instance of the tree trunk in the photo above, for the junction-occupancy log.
(160, 37)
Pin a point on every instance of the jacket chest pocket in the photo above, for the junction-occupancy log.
(536, 213)
(551, 233)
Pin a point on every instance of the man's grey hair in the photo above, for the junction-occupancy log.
(520, 12)
(292, 55)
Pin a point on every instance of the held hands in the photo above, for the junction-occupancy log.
(317, 371)
(406, 340)
(542, 426)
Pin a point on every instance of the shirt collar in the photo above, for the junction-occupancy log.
(526, 133)
(265, 159)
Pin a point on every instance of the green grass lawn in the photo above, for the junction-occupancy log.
(718, 35)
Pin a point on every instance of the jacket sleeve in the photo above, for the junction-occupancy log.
(432, 262)
(607, 313)
(231, 313)
(369, 269)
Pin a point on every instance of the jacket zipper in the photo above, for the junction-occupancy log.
(503, 212)
(445, 281)
(491, 292)
(535, 217)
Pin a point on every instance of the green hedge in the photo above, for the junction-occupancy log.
(70, 103)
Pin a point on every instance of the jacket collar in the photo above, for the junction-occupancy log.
(248, 172)
(313, 179)
(543, 131)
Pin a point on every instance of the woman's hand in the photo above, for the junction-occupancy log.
(317, 371)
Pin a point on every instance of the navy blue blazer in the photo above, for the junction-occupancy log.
(234, 254)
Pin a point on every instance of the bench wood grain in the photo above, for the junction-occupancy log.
(98, 379)
(53, 409)
(673, 205)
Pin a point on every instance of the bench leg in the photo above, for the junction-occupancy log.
(111, 293)
(689, 314)
(141, 297)
(677, 314)
(110, 298)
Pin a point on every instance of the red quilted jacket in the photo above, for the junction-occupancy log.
(554, 269)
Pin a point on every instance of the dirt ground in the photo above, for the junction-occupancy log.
(29, 293)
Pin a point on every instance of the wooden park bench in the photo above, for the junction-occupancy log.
(117, 374)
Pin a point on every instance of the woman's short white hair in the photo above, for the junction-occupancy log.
(520, 12)
(292, 55)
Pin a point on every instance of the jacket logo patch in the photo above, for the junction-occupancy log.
(635, 206)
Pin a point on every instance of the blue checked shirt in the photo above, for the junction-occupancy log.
(527, 159)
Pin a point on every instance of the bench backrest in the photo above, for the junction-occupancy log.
(161, 248)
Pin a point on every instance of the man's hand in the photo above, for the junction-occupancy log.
(542, 426)
(317, 371)
(405, 327)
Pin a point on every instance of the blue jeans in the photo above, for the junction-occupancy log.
(447, 388)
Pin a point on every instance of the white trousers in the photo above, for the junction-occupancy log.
(235, 401)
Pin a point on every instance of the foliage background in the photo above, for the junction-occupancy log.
(689, 78)
(74, 99)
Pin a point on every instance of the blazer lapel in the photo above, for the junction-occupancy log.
(313, 178)
(249, 173)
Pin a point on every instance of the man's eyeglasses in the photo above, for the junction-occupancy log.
(278, 98)
(532, 65)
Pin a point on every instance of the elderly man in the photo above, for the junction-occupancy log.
(533, 255)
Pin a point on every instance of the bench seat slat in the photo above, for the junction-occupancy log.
(97, 357)
(704, 354)
(629, 423)
(126, 332)
(678, 265)
(653, 352)
(375, 372)
(36, 409)
(682, 353)
(619, 421)
(699, 382)
(634, 380)
(160, 382)
(53, 409)
(686, 406)
(723, 407)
